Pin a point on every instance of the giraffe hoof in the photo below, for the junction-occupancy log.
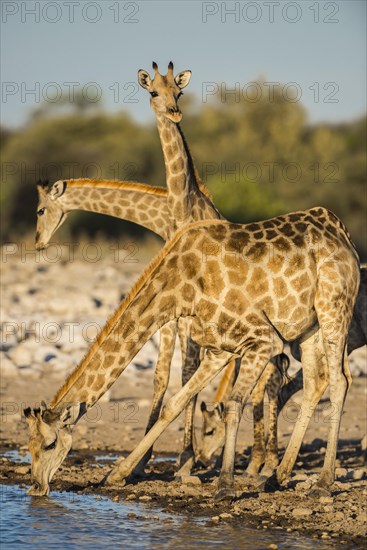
(224, 493)
(139, 473)
(271, 484)
(113, 479)
(261, 483)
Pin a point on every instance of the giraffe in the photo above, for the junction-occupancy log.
(147, 206)
(212, 433)
(247, 289)
(188, 200)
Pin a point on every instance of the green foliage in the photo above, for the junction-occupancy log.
(258, 158)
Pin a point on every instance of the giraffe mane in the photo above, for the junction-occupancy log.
(111, 184)
(111, 322)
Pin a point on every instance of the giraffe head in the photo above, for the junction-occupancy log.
(165, 90)
(212, 431)
(49, 442)
(50, 214)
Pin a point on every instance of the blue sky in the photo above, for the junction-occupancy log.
(315, 48)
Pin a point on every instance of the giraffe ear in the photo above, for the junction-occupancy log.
(57, 189)
(182, 79)
(144, 79)
(203, 406)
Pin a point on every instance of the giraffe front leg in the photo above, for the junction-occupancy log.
(271, 453)
(161, 379)
(252, 366)
(211, 365)
(258, 449)
(187, 456)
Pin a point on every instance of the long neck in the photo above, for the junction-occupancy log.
(152, 302)
(186, 200)
(142, 204)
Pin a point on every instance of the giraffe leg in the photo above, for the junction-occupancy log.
(211, 365)
(339, 385)
(161, 379)
(315, 375)
(271, 454)
(292, 387)
(252, 366)
(187, 455)
(258, 449)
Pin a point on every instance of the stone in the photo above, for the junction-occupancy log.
(145, 498)
(22, 470)
(341, 472)
(303, 485)
(362, 518)
(215, 519)
(326, 500)
(190, 480)
(364, 443)
(225, 515)
(357, 474)
(300, 477)
(301, 512)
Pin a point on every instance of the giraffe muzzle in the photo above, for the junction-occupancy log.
(37, 490)
(174, 114)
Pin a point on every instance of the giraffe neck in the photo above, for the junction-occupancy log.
(142, 204)
(147, 307)
(188, 199)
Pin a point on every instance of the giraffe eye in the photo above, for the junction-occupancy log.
(154, 94)
(50, 446)
(41, 211)
(210, 432)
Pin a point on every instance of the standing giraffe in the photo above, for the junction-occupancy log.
(213, 431)
(247, 289)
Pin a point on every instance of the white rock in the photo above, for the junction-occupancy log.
(22, 355)
(7, 367)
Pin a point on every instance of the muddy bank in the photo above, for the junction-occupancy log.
(340, 517)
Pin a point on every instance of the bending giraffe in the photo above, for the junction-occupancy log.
(139, 203)
(204, 270)
(266, 453)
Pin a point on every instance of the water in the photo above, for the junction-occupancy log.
(78, 521)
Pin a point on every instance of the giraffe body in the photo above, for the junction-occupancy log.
(212, 432)
(246, 289)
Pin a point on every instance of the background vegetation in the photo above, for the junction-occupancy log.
(258, 158)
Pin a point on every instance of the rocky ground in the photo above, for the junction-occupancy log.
(51, 311)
